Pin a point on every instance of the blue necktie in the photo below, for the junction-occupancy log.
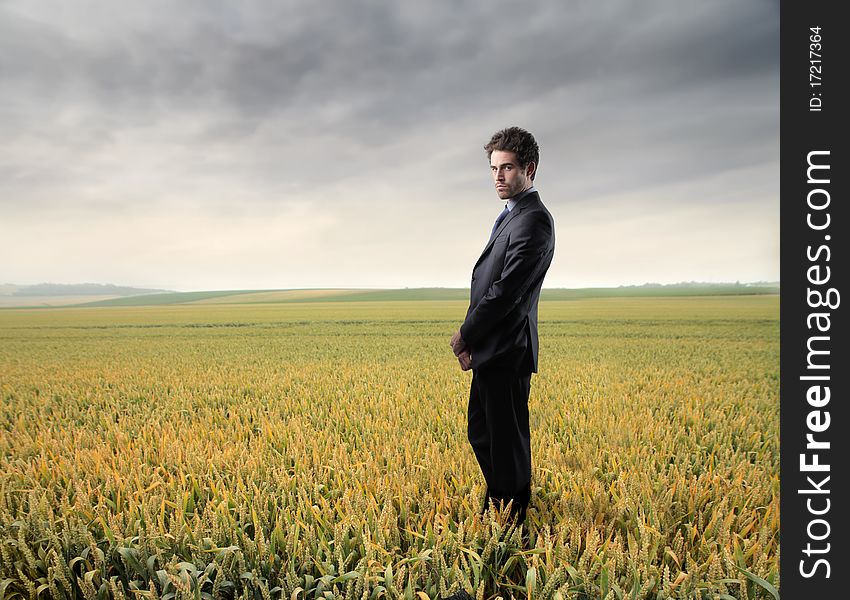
(499, 220)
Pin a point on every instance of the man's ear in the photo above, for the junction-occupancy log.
(530, 169)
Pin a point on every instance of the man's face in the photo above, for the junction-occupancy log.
(510, 179)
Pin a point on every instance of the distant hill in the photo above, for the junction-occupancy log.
(170, 298)
(93, 294)
(74, 289)
(373, 295)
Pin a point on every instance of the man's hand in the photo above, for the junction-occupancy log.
(465, 360)
(457, 343)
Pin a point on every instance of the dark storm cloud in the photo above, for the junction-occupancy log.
(386, 63)
(624, 93)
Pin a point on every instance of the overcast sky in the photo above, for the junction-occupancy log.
(252, 145)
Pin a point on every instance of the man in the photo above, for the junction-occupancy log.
(498, 338)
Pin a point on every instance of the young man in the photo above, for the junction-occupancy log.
(498, 338)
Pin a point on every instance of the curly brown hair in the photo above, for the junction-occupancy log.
(518, 141)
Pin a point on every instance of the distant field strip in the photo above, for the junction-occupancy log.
(279, 448)
(392, 295)
(278, 296)
(17, 301)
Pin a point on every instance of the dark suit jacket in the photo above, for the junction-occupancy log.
(502, 318)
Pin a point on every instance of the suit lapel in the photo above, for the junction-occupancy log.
(521, 206)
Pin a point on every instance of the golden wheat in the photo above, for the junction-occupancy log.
(319, 450)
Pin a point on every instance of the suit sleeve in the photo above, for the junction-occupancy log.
(524, 262)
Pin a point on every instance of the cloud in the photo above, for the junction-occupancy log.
(369, 111)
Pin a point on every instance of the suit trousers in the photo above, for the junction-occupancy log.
(497, 429)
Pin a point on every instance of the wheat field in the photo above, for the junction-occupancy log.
(318, 450)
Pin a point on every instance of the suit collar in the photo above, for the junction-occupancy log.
(512, 202)
(524, 202)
